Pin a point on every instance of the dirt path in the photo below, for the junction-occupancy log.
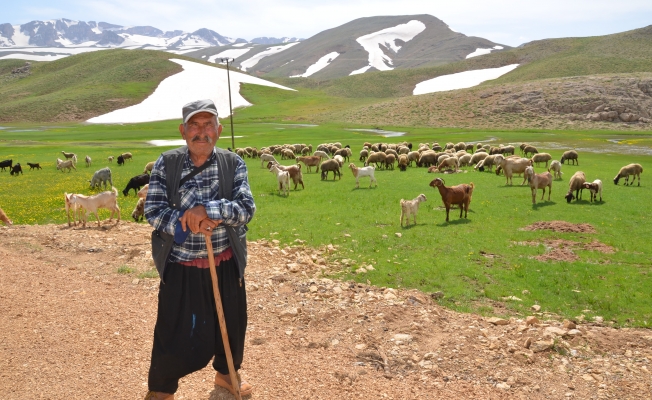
(72, 327)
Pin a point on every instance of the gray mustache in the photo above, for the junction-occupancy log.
(201, 139)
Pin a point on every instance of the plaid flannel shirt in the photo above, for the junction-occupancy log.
(202, 189)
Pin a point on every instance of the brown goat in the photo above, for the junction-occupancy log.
(538, 181)
(459, 195)
(293, 170)
(4, 218)
(310, 161)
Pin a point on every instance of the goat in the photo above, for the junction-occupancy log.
(268, 158)
(576, 183)
(513, 166)
(16, 169)
(67, 155)
(538, 181)
(632, 169)
(126, 156)
(91, 204)
(121, 160)
(101, 176)
(6, 164)
(595, 188)
(110, 158)
(34, 165)
(88, 161)
(294, 171)
(136, 183)
(139, 211)
(74, 207)
(411, 207)
(142, 193)
(332, 165)
(459, 195)
(4, 218)
(364, 171)
(283, 178)
(310, 161)
(321, 154)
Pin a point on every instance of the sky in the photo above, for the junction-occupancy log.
(510, 22)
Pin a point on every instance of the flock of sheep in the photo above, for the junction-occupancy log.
(331, 157)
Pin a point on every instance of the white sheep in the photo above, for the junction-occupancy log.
(411, 207)
(110, 158)
(149, 166)
(266, 158)
(283, 178)
(595, 188)
(321, 154)
(66, 165)
(363, 171)
(632, 169)
(91, 204)
(556, 167)
(88, 161)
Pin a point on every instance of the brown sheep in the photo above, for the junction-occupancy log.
(330, 165)
(378, 157)
(570, 155)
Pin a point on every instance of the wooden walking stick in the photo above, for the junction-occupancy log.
(220, 316)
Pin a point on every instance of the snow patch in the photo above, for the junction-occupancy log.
(239, 44)
(33, 57)
(461, 80)
(231, 53)
(498, 47)
(196, 81)
(319, 65)
(387, 38)
(19, 38)
(270, 51)
(360, 71)
(481, 52)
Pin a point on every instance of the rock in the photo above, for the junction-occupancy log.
(337, 290)
(313, 289)
(347, 235)
(569, 324)
(429, 356)
(384, 236)
(390, 296)
(512, 298)
(531, 320)
(289, 313)
(525, 292)
(437, 295)
(498, 321)
(135, 281)
(402, 337)
(527, 343)
(426, 364)
(536, 308)
(293, 267)
(361, 270)
(330, 248)
(588, 378)
(370, 267)
(335, 342)
(598, 319)
(503, 385)
(361, 346)
(541, 345)
(398, 234)
(554, 331)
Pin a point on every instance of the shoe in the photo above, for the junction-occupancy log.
(225, 382)
(158, 396)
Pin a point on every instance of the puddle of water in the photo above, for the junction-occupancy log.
(26, 130)
(606, 148)
(175, 142)
(380, 132)
(299, 125)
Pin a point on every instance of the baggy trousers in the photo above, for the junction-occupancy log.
(187, 333)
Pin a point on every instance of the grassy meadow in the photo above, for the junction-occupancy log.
(475, 262)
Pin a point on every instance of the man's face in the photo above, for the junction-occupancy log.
(201, 133)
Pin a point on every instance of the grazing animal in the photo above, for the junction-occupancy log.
(513, 166)
(67, 155)
(541, 157)
(361, 172)
(126, 156)
(88, 161)
(576, 183)
(449, 163)
(568, 156)
(6, 164)
(321, 154)
(378, 157)
(595, 188)
(136, 183)
(74, 207)
(101, 176)
(68, 164)
(4, 218)
(268, 158)
(410, 208)
(142, 193)
(332, 166)
(310, 161)
(459, 195)
(148, 167)
(538, 181)
(91, 204)
(556, 167)
(16, 169)
(110, 158)
(34, 165)
(139, 211)
(121, 160)
(294, 171)
(403, 162)
(631, 169)
(531, 150)
(283, 178)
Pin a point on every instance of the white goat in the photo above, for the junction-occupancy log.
(266, 158)
(283, 178)
(363, 171)
(66, 165)
(91, 204)
(556, 167)
(411, 207)
(595, 188)
(88, 161)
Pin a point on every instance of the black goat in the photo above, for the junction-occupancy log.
(136, 183)
(34, 165)
(121, 160)
(16, 169)
(6, 164)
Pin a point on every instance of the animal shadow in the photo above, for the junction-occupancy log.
(458, 221)
(543, 204)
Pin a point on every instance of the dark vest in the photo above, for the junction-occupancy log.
(162, 242)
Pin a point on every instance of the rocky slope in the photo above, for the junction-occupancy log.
(74, 328)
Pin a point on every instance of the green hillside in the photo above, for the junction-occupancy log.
(82, 86)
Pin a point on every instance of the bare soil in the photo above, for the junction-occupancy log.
(75, 328)
(560, 226)
(563, 250)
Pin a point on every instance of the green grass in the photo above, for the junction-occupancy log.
(125, 270)
(431, 256)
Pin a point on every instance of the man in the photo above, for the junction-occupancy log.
(195, 191)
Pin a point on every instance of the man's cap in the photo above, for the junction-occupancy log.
(198, 106)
